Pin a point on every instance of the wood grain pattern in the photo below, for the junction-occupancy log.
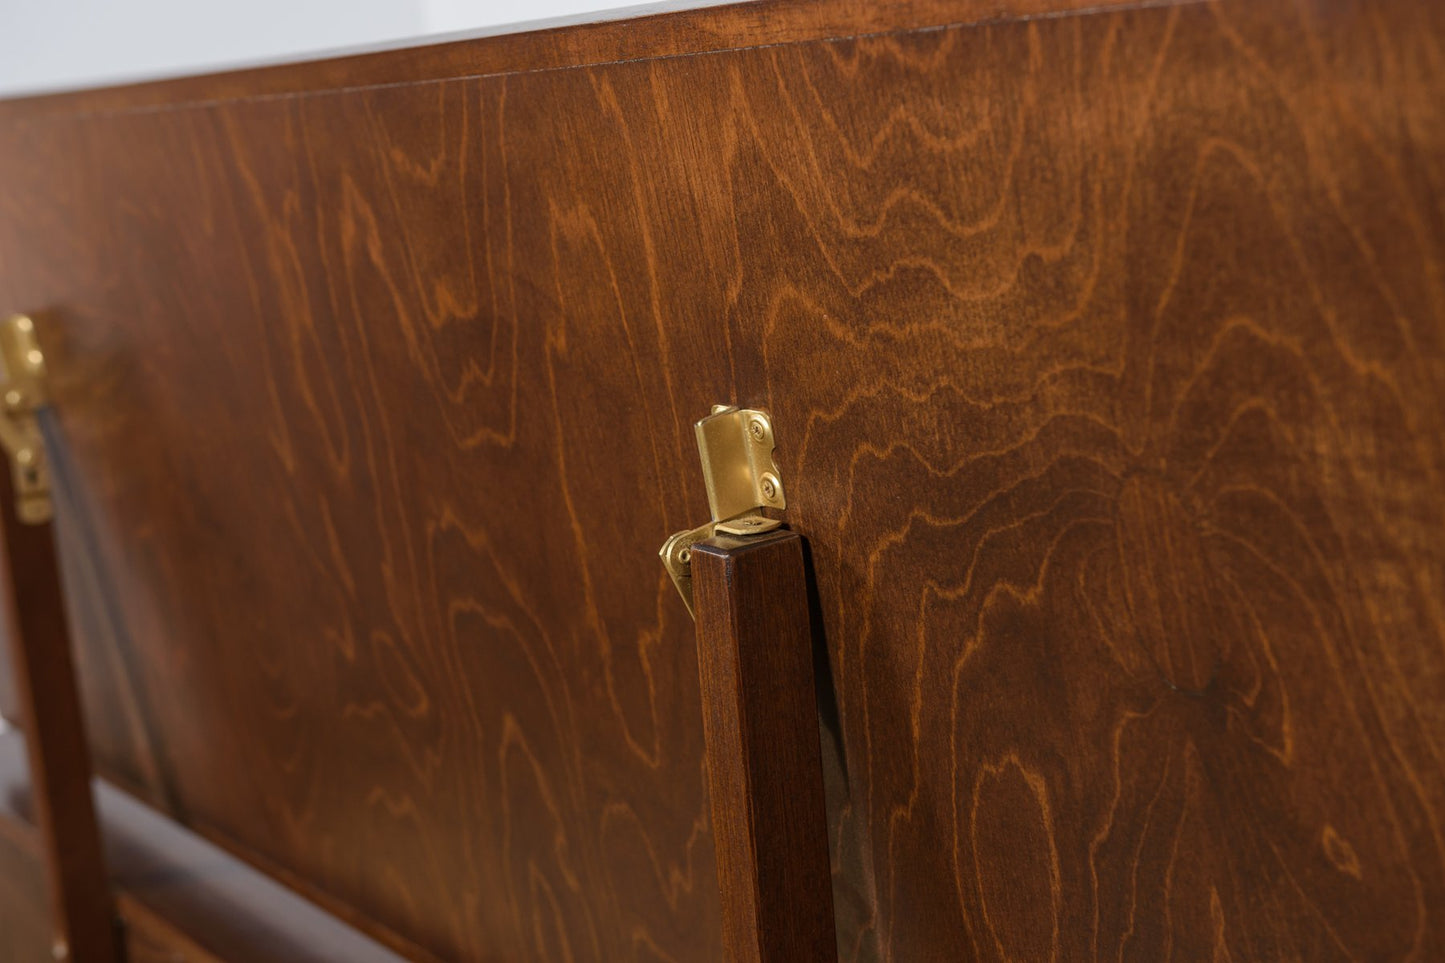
(765, 775)
(1107, 355)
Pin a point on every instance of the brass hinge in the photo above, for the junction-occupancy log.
(22, 385)
(736, 448)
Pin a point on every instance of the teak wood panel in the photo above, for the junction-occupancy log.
(1107, 355)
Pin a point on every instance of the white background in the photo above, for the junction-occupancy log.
(64, 44)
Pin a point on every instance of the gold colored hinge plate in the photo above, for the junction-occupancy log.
(22, 388)
(736, 448)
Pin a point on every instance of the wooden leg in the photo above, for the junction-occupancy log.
(80, 895)
(764, 765)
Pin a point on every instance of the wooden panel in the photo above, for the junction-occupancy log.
(1107, 354)
(765, 776)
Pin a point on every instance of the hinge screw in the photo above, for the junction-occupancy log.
(757, 429)
(770, 487)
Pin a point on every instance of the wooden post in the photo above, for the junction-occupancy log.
(80, 896)
(764, 763)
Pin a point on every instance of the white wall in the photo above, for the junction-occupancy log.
(63, 44)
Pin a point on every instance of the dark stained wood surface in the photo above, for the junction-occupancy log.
(81, 909)
(765, 774)
(1107, 356)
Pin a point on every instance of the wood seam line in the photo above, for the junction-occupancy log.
(299, 95)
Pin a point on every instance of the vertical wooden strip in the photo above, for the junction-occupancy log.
(80, 896)
(761, 722)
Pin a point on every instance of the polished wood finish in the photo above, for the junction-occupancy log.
(81, 907)
(765, 776)
(1106, 351)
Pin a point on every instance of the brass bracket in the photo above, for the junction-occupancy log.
(22, 385)
(736, 448)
